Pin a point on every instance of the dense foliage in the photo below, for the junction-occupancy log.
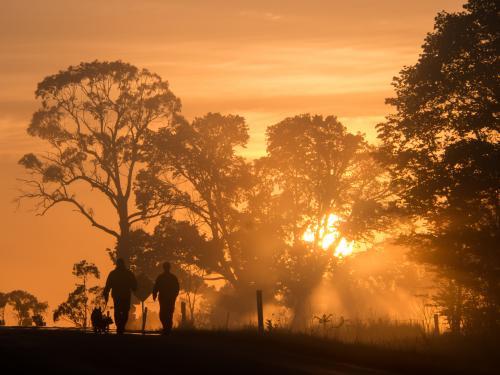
(442, 148)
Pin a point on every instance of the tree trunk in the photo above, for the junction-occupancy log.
(492, 306)
(123, 248)
(86, 302)
(301, 313)
(457, 312)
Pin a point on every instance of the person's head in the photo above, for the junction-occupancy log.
(166, 267)
(120, 263)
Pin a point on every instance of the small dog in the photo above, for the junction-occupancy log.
(100, 322)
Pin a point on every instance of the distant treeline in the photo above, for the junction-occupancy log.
(27, 309)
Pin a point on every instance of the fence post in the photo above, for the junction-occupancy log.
(144, 317)
(436, 324)
(183, 314)
(227, 321)
(260, 313)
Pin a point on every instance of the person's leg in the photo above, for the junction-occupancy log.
(163, 315)
(117, 314)
(125, 311)
(122, 306)
(166, 314)
(119, 322)
(170, 315)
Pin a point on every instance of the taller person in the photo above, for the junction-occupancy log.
(121, 282)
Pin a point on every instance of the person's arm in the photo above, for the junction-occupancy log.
(133, 281)
(177, 287)
(107, 288)
(155, 289)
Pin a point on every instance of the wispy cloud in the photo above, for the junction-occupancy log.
(269, 16)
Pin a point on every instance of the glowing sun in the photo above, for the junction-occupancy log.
(327, 235)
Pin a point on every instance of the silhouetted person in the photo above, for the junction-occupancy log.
(167, 286)
(121, 281)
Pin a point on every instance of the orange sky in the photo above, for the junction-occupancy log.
(263, 60)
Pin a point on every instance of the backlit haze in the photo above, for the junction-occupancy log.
(264, 60)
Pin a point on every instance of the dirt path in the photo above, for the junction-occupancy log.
(26, 351)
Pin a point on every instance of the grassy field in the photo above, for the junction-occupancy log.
(64, 351)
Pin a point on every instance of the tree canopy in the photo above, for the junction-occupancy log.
(96, 117)
(442, 147)
(323, 180)
(198, 161)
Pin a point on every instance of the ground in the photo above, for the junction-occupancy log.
(50, 351)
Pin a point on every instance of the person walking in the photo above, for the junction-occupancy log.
(121, 282)
(167, 289)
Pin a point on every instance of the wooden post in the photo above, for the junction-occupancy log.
(109, 320)
(183, 314)
(436, 324)
(86, 299)
(144, 317)
(260, 313)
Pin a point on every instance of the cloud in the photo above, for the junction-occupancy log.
(269, 16)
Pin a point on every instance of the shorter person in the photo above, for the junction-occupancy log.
(167, 286)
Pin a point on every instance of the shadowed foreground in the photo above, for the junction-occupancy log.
(72, 352)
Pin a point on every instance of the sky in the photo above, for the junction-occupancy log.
(263, 60)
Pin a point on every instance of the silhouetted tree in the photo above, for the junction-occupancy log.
(83, 270)
(4, 299)
(73, 308)
(458, 305)
(26, 305)
(76, 307)
(198, 162)
(442, 146)
(95, 117)
(176, 241)
(193, 285)
(317, 169)
(212, 231)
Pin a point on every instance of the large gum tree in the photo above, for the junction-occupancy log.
(94, 118)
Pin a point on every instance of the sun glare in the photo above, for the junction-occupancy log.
(344, 248)
(327, 235)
